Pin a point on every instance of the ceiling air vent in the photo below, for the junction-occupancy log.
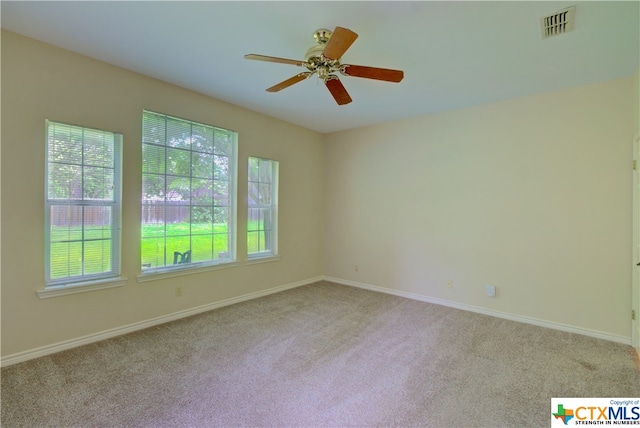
(559, 23)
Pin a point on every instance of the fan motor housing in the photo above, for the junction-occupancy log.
(314, 58)
(314, 51)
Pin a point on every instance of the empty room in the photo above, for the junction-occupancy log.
(320, 214)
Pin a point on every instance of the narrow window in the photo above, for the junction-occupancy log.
(262, 203)
(82, 206)
(188, 193)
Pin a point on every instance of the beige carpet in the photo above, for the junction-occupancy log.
(322, 355)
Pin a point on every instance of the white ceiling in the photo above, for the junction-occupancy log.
(454, 54)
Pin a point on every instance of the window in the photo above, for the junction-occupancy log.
(262, 203)
(188, 193)
(82, 206)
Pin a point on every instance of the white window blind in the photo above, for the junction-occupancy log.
(262, 205)
(82, 204)
(188, 193)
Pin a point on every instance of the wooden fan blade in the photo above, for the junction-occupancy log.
(338, 91)
(290, 81)
(373, 73)
(341, 39)
(275, 59)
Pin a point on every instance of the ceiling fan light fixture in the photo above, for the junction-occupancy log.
(323, 73)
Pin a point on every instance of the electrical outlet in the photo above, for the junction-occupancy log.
(179, 291)
(449, 283)
(491, 291)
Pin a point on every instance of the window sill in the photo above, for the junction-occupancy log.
(261, 259)
(171, 273)
(81, 287)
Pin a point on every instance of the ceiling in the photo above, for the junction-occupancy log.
(454, 54)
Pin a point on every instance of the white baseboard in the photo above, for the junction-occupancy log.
(118, 331)
(528, 320)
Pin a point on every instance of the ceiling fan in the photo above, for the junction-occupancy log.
(323, 59)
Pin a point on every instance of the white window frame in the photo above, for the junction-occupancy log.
(167, 269)
(83, 281)
(271, 207)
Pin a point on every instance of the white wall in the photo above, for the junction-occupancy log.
(532, 195)
(43, 82)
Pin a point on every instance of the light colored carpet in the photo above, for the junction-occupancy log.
(321, 355)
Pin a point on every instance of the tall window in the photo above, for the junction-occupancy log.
(82, 206)
(262, 203)
(188, 193)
